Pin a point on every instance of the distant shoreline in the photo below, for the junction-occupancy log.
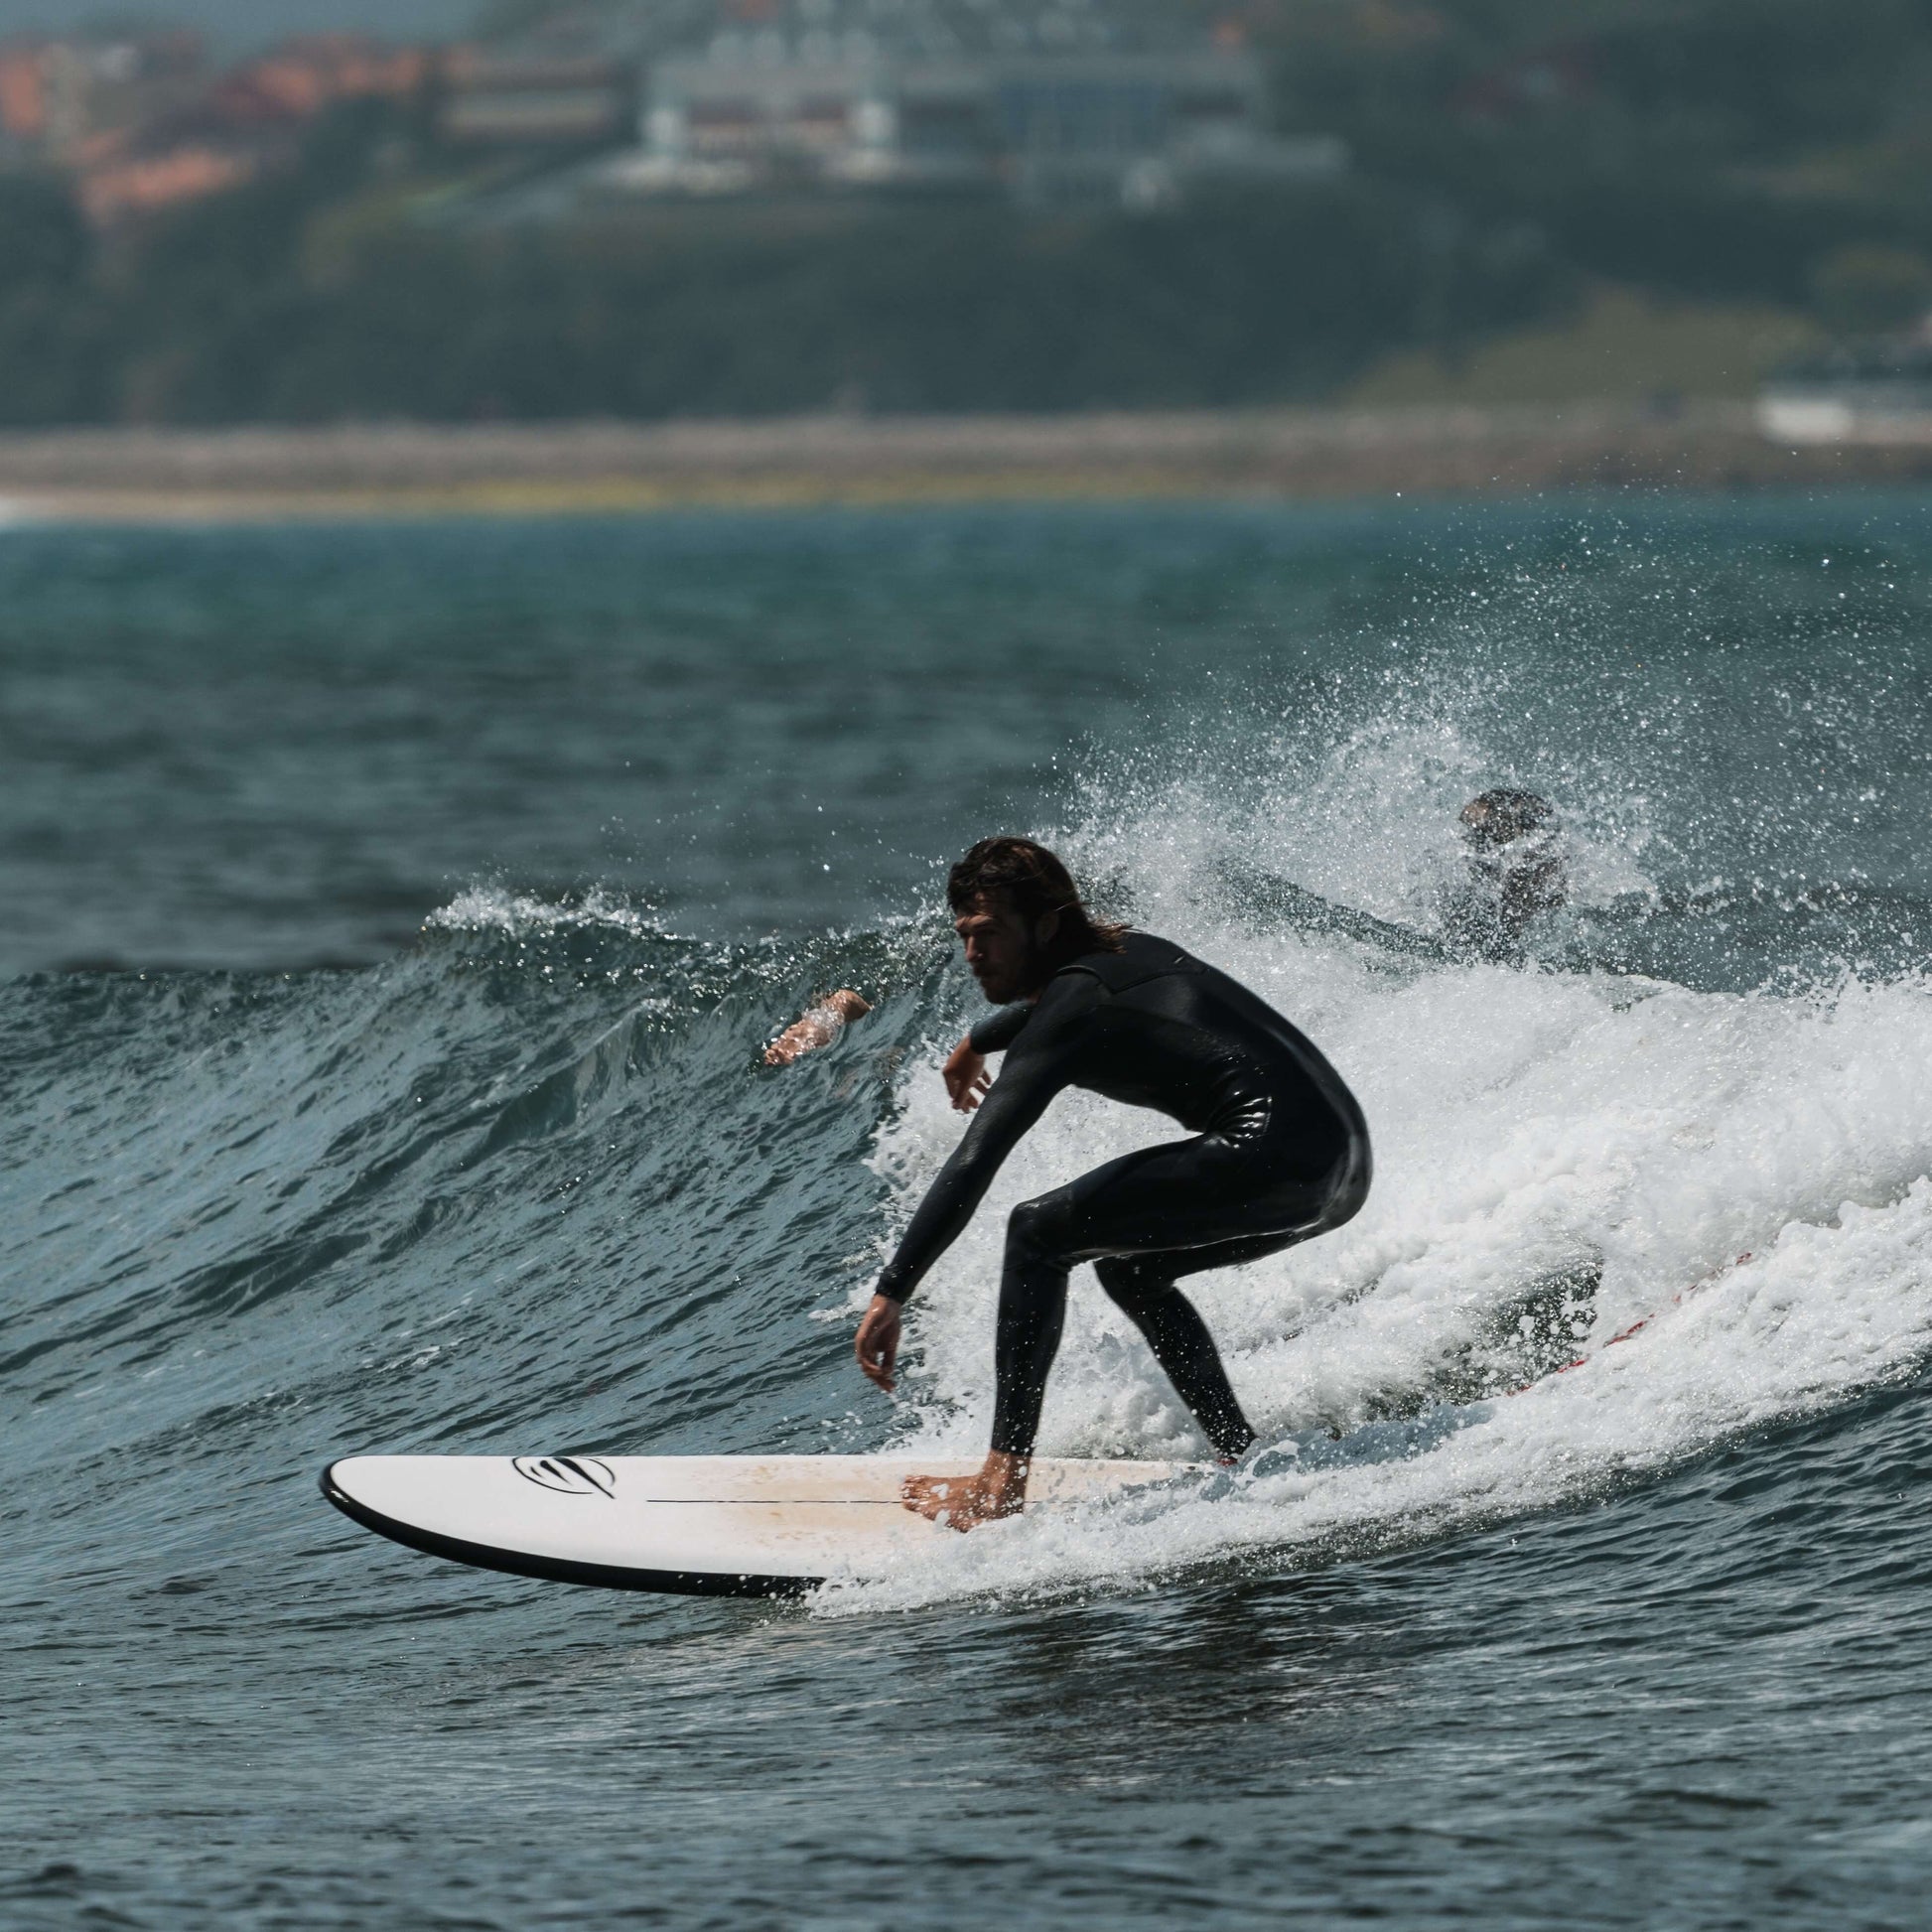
(273, 474)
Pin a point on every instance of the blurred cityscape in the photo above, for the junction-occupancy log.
(671, 209)
(1045, 102)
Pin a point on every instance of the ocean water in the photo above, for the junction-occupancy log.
(395, 919)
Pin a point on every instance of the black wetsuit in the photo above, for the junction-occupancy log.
(1281, 1152)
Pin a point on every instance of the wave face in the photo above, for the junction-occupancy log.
(1475, 1629)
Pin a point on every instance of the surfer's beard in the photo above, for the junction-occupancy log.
(1019, 982)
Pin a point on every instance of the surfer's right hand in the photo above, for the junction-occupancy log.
(877, 1342)
(965, 1076)
(817, 1027)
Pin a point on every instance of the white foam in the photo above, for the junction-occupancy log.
(490, 908)
(1526, 1123)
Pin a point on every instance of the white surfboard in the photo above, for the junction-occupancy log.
(702, 1525)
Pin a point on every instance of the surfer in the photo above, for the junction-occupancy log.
(1515, 874)
(1280, 1150)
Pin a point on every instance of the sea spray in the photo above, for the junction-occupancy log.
(1641, 1645)
(1550, 1131)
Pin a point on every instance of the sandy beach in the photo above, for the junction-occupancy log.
(362, 469)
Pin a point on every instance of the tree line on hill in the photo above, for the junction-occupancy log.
(1763, 150)
(258, 304)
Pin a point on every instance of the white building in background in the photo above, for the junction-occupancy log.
(1876, 392)
(767, 109)
(522, 100)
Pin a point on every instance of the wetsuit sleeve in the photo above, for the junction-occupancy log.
(1040, 1064)
(998, 1030)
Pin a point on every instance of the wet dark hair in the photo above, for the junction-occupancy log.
(1034, 883)
(1507, 814)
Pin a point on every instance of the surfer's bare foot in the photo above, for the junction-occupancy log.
(965, 1502)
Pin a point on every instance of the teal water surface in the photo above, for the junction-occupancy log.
(396, 917)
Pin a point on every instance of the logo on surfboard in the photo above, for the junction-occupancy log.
(568, 1476)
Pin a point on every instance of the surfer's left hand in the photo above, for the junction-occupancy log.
(877, 1342)
(966, 1078)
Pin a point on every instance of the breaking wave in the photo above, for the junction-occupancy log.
(530, 1184)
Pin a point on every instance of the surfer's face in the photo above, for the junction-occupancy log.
(1484, 828)
(1006, 951)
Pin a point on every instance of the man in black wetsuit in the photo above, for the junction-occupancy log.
(1280, 1150)
(1514, 876)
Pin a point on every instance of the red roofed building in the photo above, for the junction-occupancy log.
(22, 92)
(249, 120)
(298, 80)
(121, 184)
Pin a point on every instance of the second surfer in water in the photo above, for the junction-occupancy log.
(1280, 1150)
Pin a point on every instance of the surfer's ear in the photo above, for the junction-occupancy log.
(1045, 930)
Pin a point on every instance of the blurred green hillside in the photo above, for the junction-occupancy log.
(1548, 199)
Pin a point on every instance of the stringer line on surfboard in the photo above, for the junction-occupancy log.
(715, 1526)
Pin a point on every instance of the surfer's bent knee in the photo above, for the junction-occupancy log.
(1034, 1229)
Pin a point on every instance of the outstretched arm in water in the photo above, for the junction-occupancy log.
(818, 1026)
